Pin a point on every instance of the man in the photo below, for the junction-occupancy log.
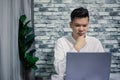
(77, 42)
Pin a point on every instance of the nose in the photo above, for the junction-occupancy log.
(81, 28)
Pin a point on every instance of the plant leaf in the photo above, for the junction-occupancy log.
(31, 59)
(25, 40)
(27, 23)
(22, 18)
(29, 38)
(31, 52)
(27, 30)
(28, 45)
(34, 67)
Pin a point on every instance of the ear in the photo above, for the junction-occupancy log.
(71, 24)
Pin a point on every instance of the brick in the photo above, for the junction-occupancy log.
(103, 13)
(116, 9)
(38, 50)
(43, 9)
(114, 76)
(41, 62)
(44, 29)
(41, 37)
(107, 17)
(38, 13)
(65, 13)
(53, 9)
(116, 46)
(50, 33)
(67, 29)
(117, 54)
(48, 42)
(36, 45)
(58, 21)
(110, 5)
(109, 9)
(67, 1)
(116, 17)
(56, 13)
(59, 5)
(110, 1)
(114, 21)
(36, 1)
(49, 70)
(111, 41)
(43, 1)
(36, 9)
(50, 25)
(94, 25)
(111, 29)
(40, 25)
(46, 50)
(114, 50)
(37, 4)
(114, 65)
(44, 74)
(63, 9)
(100, 1)
(49, 62)
(42, 46)
(47, 13)
(106, 50)
(118, 1)
(114, 13)
(48, 5)
(109, 46)
(56, 1)
(51, 46)
(102, 21)
(89, 1)
(64, 17)
(42, 57)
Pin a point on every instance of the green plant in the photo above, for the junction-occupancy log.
(25, 41)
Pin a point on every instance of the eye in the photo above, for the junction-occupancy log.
(77, 25)
(84, 25)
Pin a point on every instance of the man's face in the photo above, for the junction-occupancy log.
(79, 26)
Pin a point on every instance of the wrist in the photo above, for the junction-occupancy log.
(77, 48)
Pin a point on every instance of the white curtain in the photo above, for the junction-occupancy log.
(10, 11)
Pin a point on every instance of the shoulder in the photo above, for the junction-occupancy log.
(61, 40)
(93, 39)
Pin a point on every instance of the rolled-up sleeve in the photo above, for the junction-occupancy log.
(100, 47)
(59, 62)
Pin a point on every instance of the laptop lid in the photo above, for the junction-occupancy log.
(88, 66)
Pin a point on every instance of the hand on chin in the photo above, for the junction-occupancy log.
(81, 35)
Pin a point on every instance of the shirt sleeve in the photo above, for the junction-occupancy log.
(59, 62)
(73, 50)
(100, 47)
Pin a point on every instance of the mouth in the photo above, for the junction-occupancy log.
(80, 33)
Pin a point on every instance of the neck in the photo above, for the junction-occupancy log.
(75, 37)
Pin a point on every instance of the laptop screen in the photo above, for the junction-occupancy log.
(88, 66)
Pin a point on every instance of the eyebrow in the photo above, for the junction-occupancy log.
(80, 24)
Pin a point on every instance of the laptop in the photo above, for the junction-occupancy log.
(88, 66)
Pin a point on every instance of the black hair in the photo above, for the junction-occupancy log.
(79, 13)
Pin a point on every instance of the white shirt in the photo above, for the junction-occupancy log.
(66, 44)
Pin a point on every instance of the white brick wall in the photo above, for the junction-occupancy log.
(51, 18)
